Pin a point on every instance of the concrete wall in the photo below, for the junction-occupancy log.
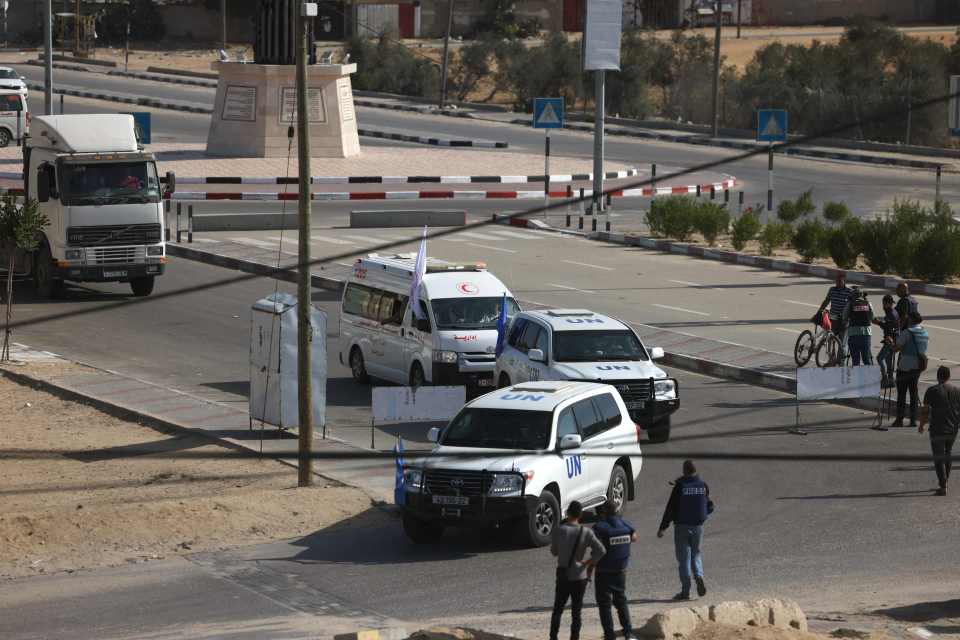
(795, 12)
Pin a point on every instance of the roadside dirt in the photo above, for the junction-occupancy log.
(713, 631)
(82, 489)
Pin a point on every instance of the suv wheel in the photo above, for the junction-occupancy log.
(421, 532)
(504, 381)
(417, 379)
(357, 368)
(537, 528)
(660, 432)
(617, 490)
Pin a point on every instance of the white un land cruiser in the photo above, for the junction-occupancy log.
(576, 344)
(517, 457)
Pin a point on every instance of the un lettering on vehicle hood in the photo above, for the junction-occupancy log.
(475, 459)
(630, 370)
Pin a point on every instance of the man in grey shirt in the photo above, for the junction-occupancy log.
(570, 543)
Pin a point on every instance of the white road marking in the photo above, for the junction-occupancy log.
(344, 264)
(364, 239)
(936, 326)
(690, 284)
(484, 246)
(539, 304)
(785, 330)
(803, 304)
(256, 243)
(587, 264)
(664, 306)
(563, 286)
(510, 234)
(476, 236)
(315, 238)
(208, 240)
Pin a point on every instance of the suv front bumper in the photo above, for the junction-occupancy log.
(654, 412)
(479, 511)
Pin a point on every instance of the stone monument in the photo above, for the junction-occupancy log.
(256, 103)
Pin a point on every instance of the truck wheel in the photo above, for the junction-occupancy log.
(660, 432)
(537, 528)
(504, 381)
(142, 287)
(421, 532)
(46, 285)
(617, 490)
(4, 138)
(417, 379)
(357, 368)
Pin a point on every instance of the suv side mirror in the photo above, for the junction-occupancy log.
(433, 434)
(423, 324)
(43, 185)
(171, 182)
(656, 353)
(570, 441)
(536, 355)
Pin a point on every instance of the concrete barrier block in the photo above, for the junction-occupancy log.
(784, 614)
(672, 624)
(734, 613)
(407, 218)
(243, 221)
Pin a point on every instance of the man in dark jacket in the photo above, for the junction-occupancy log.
(569, 544)
(891, 329)
(906, 304)
(615, 534)
(687, 509)
(941, 408)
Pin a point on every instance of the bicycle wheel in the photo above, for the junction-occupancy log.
(803, 350)
(828, 352)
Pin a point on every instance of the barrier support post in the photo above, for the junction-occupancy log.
(190, 224)
(179, 208)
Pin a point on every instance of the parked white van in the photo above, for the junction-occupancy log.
(14, 117)
(454, 344)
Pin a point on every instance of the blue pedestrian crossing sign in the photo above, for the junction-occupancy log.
(548, 113)
(772, 125)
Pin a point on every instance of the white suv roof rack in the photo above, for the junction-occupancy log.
(562, 313)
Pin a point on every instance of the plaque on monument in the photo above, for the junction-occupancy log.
(240, 103)
(345, 91)
(316, 112)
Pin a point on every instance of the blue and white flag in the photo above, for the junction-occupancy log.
(502, 325)
(399, 487)
(419, 270)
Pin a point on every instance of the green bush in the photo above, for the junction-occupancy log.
(673, 217)
(471, 65)
(938, 249)
(835, 212)
(910, 220)
(745, 229)
(878, 239)
(773, 236)
(790, 211)
(552, 69)
(844, 243)
(383, 65)
(810, 240)
(145, 22)
(710, 220)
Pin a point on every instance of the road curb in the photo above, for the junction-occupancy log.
(436, 142)
(879, 281)
(391, 633)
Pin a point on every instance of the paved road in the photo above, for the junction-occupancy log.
(836, 536)
(867, 189)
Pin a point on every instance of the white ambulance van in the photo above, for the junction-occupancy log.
(453, 344)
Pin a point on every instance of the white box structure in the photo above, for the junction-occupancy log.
(273, 362)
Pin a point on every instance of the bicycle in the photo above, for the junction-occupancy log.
(821, 343)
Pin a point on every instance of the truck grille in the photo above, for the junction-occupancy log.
(634, 390)
(478, 357)
(452, 483)
(115, 255)
(114, 234)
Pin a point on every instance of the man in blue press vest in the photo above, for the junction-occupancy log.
(616, 534)
(687, 509)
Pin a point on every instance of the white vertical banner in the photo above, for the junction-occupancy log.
(833, 383)
(394, 405)
(601, 35)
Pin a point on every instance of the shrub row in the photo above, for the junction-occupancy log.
(680, 216)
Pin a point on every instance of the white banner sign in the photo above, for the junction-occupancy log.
(601, 35)
(392, 405)
(831, 383)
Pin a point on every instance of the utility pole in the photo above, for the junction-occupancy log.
(76, 30)
(909, 105)
(446, 51)
(599, 89)
(304, 328)
(48, 57)
(223, 24)
(739, 16)
(718, 19)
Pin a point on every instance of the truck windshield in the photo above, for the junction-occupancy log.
(499, 429)
(596, 346)
(109, 183)
(470, 313)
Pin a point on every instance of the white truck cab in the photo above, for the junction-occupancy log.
(454, 344)
(101, 194)
(518, 457)
(578, 344)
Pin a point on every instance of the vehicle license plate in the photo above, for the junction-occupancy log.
(485, 382)
(454, 500)
(637, 404)
(114, 274)
(447, 512)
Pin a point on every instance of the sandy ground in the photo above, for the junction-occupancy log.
(82, 489)
(713, 631)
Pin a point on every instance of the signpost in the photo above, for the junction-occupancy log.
(771, 127)
(953, 112)
(547, 114)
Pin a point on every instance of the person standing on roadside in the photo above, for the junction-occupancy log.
(912, 347)
(838, 297)
(905, 305)
(616, 535)
(891, 329)
(687, 509)
(569, 544)
(941, 408)
(858, 316)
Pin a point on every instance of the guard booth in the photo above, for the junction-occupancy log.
(66, 36)
(273, 362)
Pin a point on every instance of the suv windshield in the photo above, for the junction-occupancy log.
(470, 313)
(499, 429)
(596, 346)
(9, 74)
(109, 183)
